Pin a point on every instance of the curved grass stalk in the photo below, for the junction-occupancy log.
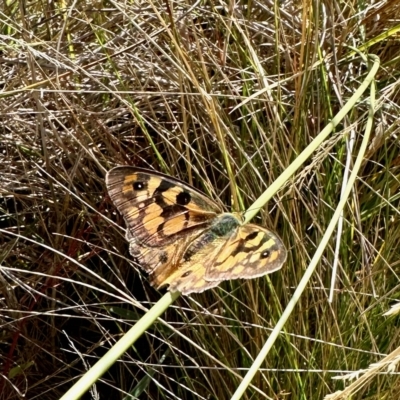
(332, 225)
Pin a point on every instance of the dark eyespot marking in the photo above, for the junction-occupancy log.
(183, 198)
(265, 254)
(186, 274)
(139, 185)
(163, 257)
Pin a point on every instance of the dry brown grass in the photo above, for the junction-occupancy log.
(87, 86)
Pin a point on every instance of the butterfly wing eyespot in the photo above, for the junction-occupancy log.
(183, 238)
(138, 186)
(265, 254)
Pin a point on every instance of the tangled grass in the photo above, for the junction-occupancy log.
(223, 96)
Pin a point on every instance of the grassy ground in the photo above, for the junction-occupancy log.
(225, 97)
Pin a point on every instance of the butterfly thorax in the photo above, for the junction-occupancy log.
(221, 228)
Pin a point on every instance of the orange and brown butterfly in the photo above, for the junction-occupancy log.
(184, 239)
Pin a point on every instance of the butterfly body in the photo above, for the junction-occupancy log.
(220, 229)
(183, 238)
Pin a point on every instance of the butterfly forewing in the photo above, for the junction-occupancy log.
(158, 209)
(251, 251)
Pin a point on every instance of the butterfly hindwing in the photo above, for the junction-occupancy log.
(158, 260)
(189, 276)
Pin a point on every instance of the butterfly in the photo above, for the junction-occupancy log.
(184, 239)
